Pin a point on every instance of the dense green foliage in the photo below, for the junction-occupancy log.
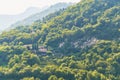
(82, 43)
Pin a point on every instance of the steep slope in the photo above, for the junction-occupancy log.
(82, 23)
(38, 16)
(82, 42)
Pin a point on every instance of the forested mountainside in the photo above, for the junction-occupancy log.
(81, 42)
(38, 16)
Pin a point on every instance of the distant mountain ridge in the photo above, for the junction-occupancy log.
(29, 20)
(29, 16)
(7, 20)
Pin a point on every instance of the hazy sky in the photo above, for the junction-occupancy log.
(19, 6)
